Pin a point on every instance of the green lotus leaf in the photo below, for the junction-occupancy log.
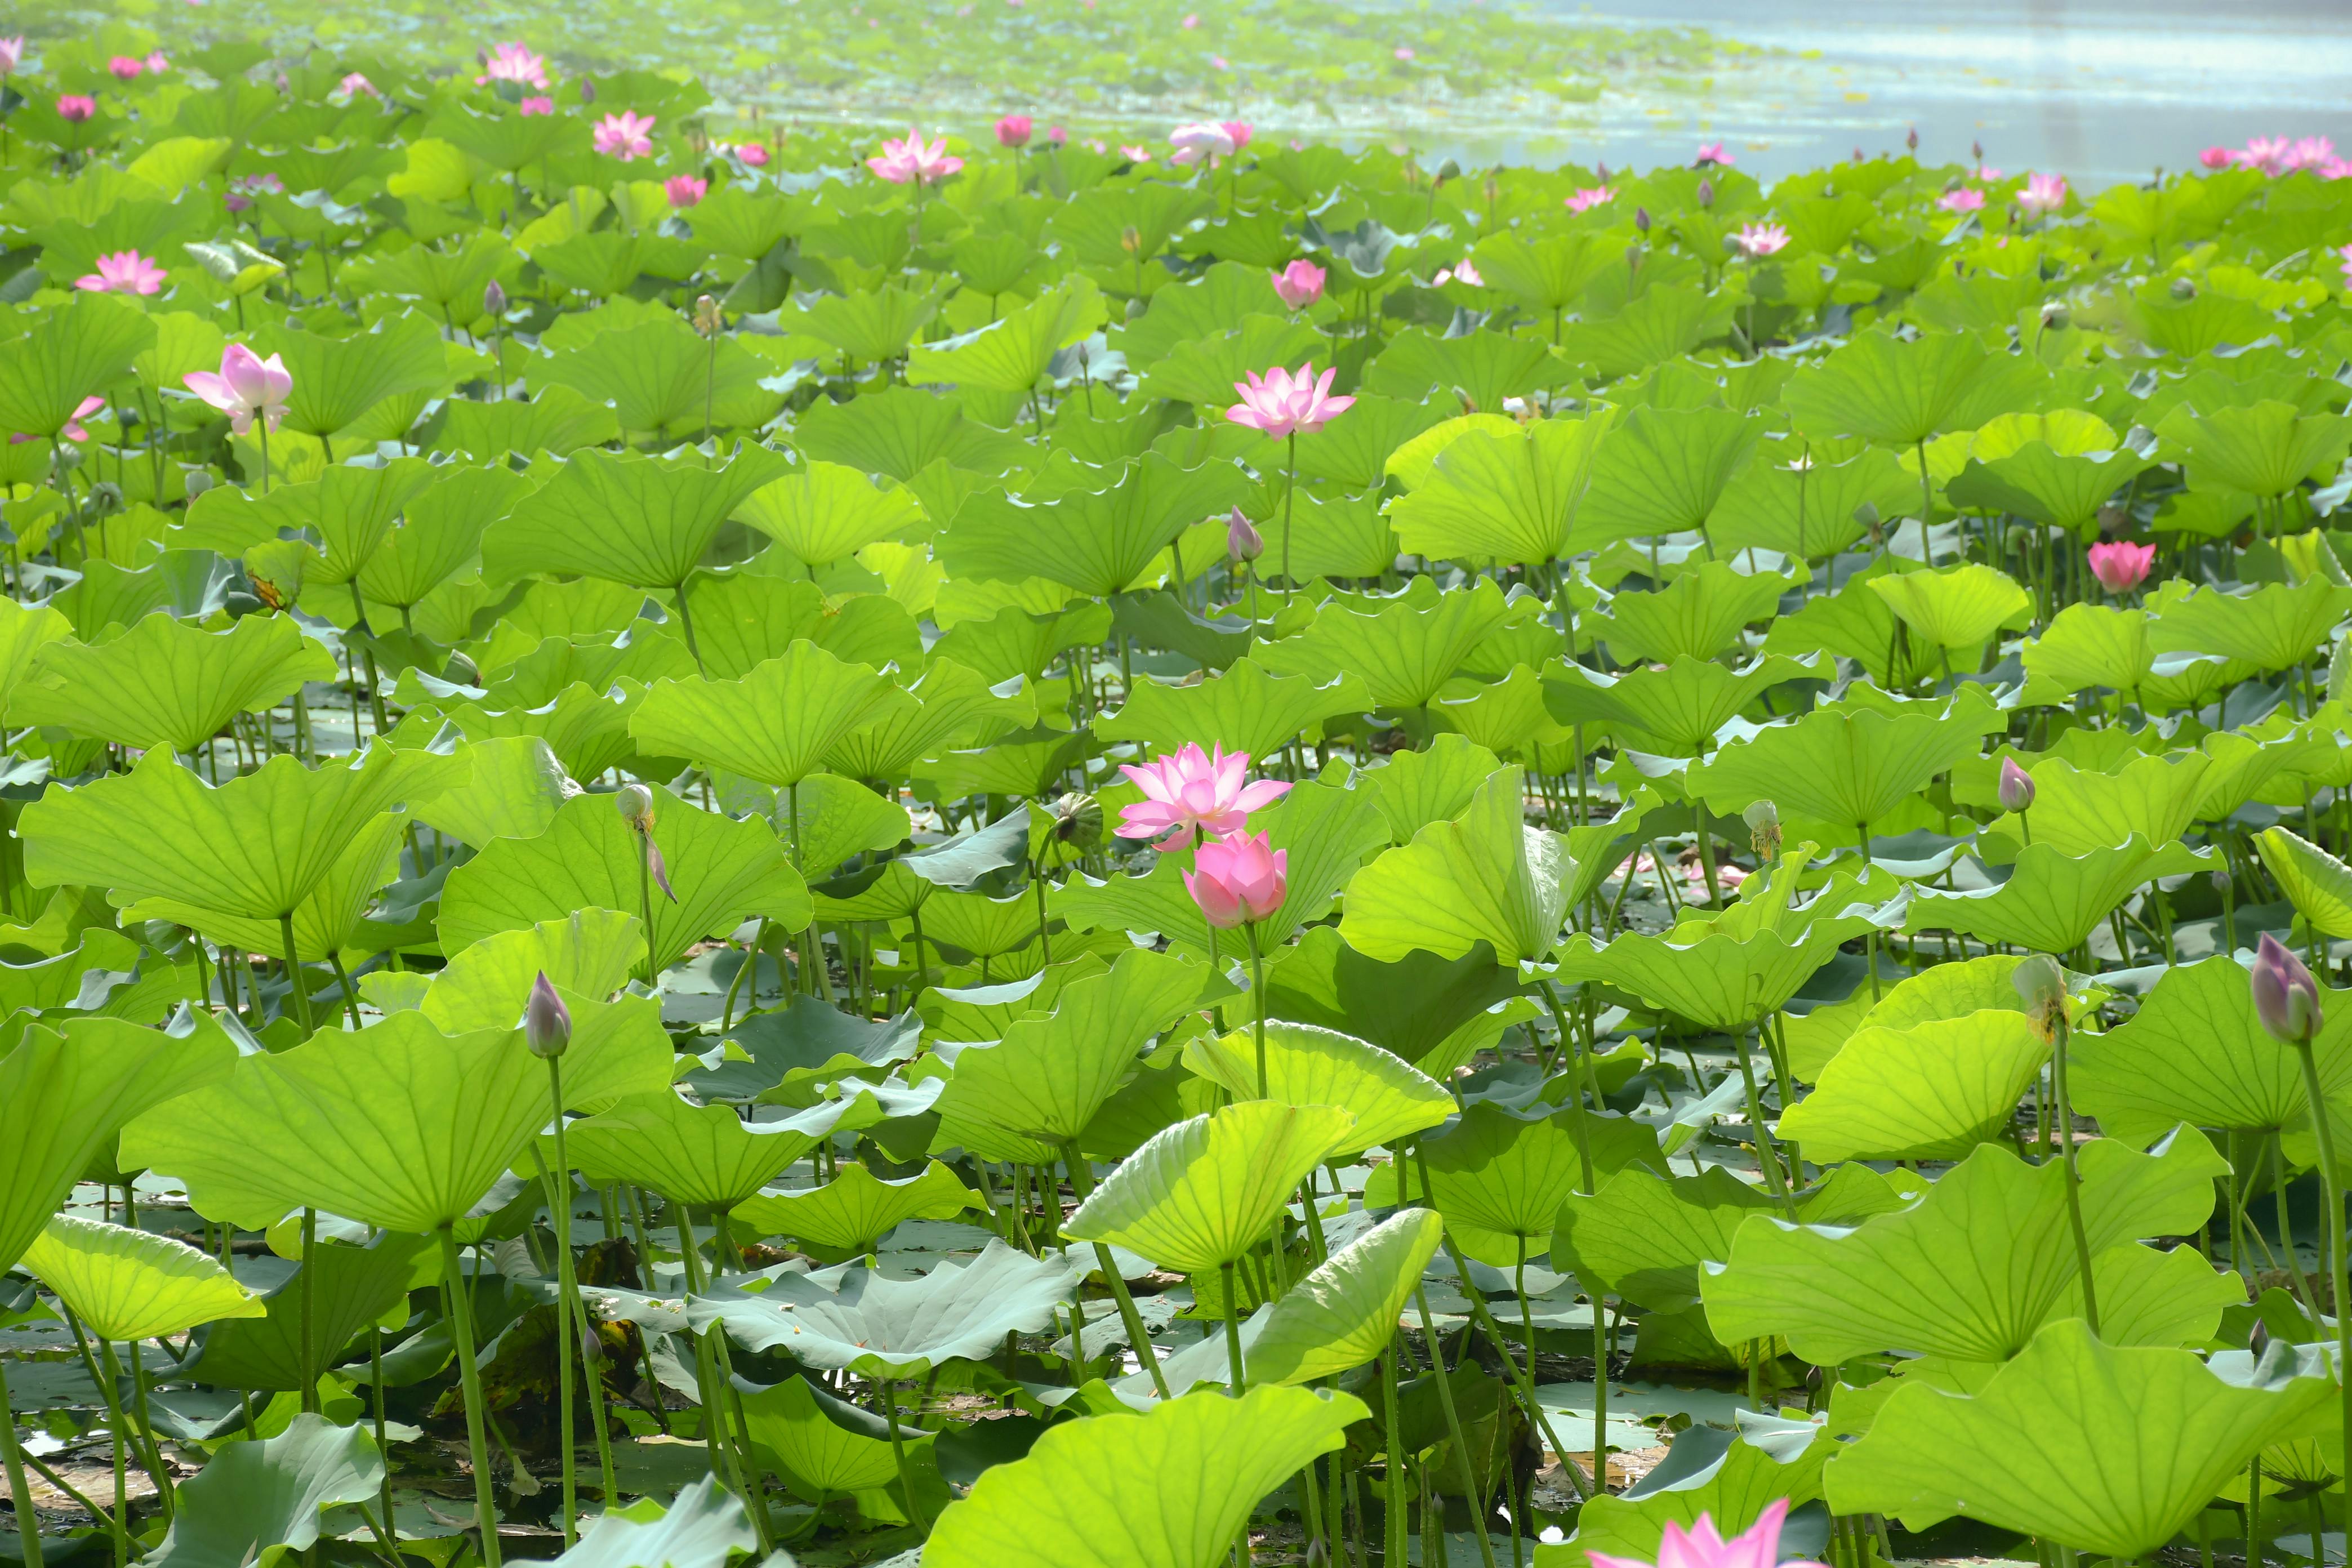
(1886, 1283)
(448, 280)
(1550, 273)
(1049, 1075)
(1843, 767)
(1012, 353)
(826, 819)
(742, 620)
(1099, 542)
(506, 139)
(351, 1289)
(1932, 1091)
(1499, 1175)
(1646, 1237)
(1897, 391)
(1420, 1007)
(328, 920)
(1404, 650)
(24, 631)
(854, 1210)
(1945, 991)
(1163, 1491)
(703, 1524)
(2315, 882)
(866, 328)
(1956, 606)
(900, 433)
(2151, 1297)
(2245, 765)
(724, 873)
(1200, 307)
(254, 1502)
(2112, 1450)
(1662, 322)
(403, 1127)
(1662, 472)
(2076, 811)
(254, 848)
(517, 786)
(1697, 617)
(130, 1284)
(1507, 718)
(71, 352)
(352, 510)
(2054, 489)
(662, 377)
(1854, 623)
(891, 1328)
(1678, 709)
(339, 380)
(1390, 1100)
(2273, 627)
(1413, 789)
(1345, 1311)
(1484, 877)
(1241, 709)
(439, 534)
(2052, 903)
(773, 724)
(624, 519)
(826, 512)
(1774, 1460)
(1203, 1192)
(1807, 508)
(703, 1154)
(1511, 496)
(558, 421)
(2266, 449)
(821, 1446)
(953, 704)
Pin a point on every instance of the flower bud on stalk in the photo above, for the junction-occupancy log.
(635, 802)
(1078, 820)
(494, 301)
(546, 1021)
(2016, 786)
(707, 318)
(2286, 998)
(1243, 543)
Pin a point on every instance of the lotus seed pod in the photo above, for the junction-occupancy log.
(2042, 987)
(2286, 998)
(546, 1021)
(2016, 786)
(636, 804)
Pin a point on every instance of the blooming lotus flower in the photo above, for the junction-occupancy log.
(1204, 139)
(1592, 196)
(1241, 131)
(2286, 998)
(627, 135)
(2267, 154)
(2332, 168)
(685, 190)
(1057, 137)
(1300, 284)
(914, 159)
(122, 272)
(1961, 199)
(1757, 240)
(1700, 1547)
(1237, 880)
(1282, 403)
(245, 386)
(1404, 51)
(1012, 131)
(11, 54)
(1462, 271)
(2309, 152)
(753, 155)
(512, 62)
(2217, 157)
(82, 410)
(536, 105)
(2042, 193)
(1726, 881)
(157, 61)
(2120, 565)
(1135, 154)
(242, 190)
(1988, 173)
(75, 107)
(125, 68)
(1712, 152)
(356, 84)
(1189, 792)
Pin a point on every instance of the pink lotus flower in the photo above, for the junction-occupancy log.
(1238, 878)
(1192, 20)
(1961, 199)
(513, 62)
(11, 54)
(536, 105)
(1218, 62)
(2217, 157)
(157, 61)
(2268, 154)
(246, 385)
(685, 190)
(1300, 284)
(2309, 152)
(914, 159)
(753, 155)
(73, 430)
(1585, 200)
(1727, 882)
(1012, 131)
(1404, 51)
(1057, 137)
(74, 107)
(1757, 240)
(2332, 168)
(1462, 271)
(1190, 794)
(1712, 152)
(125, 68)
(1988, 173)
(356, 84)
(1701, 1547)
(2120, 565)
(1281, 403)
(122, 272)
(1241, 131)
(2042, 193)
(627, 135)
(1135, 154)
(1203, 139)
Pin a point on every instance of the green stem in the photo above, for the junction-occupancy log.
(20, 1494)
(559, 1197)
(1394, 1532)
(1289, 495)
(461, 1317)
(2065, 1130)
(310, 1312)
(1258, 1000)
(899, 1452)
(294, 974)
(1454, 1424)
(1082, 1181)
(2331, 1201)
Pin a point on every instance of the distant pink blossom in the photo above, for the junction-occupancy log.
(627, 135)
(1238, 879)
(125, 68)
(2120, 565)
(1135, 154)
(1218, 62)
(1988, 173)
(74, 429)
(1241, 131)
(537, 105)
(1701, 1547)
(122, 272)
(1300, 284)
(914, 160)
(356, 84)
(1012, 131)
(2042, 193)
(685, 190)
(2216, 157)
(1591, 197)
(753, 155)
(1404, 51)
(2268, 154)
(512, 62)
(11, 54)
(243, 189)
(1199, 141)
(1189, 792)
(1757, 240)
(245, 386)
(1057, 137)
(1462, 271)
(2344, 259)
(75, 107)
(1961, 199)
(2309, 152)
(1727, 878)
(1712, 152)
(1283, 402)
(1192, 20)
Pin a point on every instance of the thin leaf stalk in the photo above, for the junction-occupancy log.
(461, 1318)
(2331, 1201)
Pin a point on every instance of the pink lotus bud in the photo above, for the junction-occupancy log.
(546, 1021)
(1238, 878)
(2286, 998)
(2120, 565)
(1242, 541)
(75, 108)
(1300, 284)
(1012, 131)
(2016, 786)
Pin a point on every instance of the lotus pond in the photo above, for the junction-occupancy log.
(1003, 849)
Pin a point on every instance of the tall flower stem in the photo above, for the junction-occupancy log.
(2065, 1131)
(20, 1494)
(559, 1198)
(309, 1312)
(1258, 1000)
(294, 974)
(1289, 496)
(461, 1318)
(1082, 1182)
(1454, 1421)
(2331, 1203)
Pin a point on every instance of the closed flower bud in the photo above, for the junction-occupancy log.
(636, 804)
(1911, 139)
(1242, 541)
(494, 300)
(707, 318)
(1706, 194)
(2016, 786)
(2286, 998)
(546, 1021)
(2042, 987)
(1641, 220)
(587, 90)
